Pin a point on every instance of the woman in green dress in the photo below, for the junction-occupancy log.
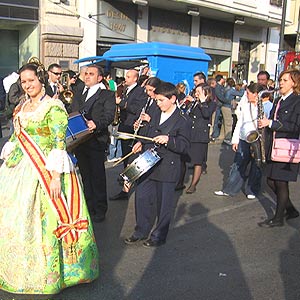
(46, 237)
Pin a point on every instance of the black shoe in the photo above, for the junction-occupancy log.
(292, 214)
(98, 219)
(271, 223)
(121, 196)
(132, 240)
(179, 187)
(153, 244)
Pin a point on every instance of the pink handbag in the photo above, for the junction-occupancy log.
(283, 149)
(286, 150)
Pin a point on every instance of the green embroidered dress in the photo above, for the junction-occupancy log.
(32, 259)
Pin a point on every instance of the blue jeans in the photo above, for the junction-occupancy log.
(237, 175)
(115, 150)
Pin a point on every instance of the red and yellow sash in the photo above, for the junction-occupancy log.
(70, 222)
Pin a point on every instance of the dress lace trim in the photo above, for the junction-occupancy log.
(59, 161)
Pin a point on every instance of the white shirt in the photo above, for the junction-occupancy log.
(166, 115)
(245, 123)
(130, 88)
(92, 90)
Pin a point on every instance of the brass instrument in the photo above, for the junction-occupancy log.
(257, 137)
(67, 95)
(116, 120)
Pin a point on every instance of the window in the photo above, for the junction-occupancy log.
(276, 2)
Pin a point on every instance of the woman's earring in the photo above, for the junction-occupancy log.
(43, 89)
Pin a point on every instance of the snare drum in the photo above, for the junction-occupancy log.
(140, 166)
(77, 131)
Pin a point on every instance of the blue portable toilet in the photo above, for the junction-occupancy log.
(169, 62)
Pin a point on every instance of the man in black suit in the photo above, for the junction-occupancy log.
(131, 104)
(98, 106)
(54, 88)
(171, 131)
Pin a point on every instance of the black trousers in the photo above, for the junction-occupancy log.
(147, 194)
(91, 160)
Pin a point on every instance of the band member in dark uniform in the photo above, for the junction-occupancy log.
(145, 116)
(98, 106)
(200, 114)
(54, 88)
(131, 104)
(170, 131)
(284, 122)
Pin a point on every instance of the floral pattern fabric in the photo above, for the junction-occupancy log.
(32, 259)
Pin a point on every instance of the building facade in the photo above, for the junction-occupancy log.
(241, 36)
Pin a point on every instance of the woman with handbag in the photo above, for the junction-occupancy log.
(283, 124)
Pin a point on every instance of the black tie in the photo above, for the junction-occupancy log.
(84, 95)
(54, 89)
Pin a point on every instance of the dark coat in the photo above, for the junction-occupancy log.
(101, 109)
(287, 125)
(49, 90)
(131, 106)
(2, 95)
(200, 118)
(178, 129)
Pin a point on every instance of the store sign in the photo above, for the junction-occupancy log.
(116, 20)
(212, 37)
(169, 27)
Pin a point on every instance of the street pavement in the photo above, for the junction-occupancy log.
(214, 251)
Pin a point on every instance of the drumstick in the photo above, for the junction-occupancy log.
(135, 136)
(123, 158)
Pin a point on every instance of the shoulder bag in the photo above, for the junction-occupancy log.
(283, 149)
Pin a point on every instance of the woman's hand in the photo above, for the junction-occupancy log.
(55, 188)
(161, 139)
(235, 147)
(137, 147)
(265, 122)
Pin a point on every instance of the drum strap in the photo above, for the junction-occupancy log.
(70, 222)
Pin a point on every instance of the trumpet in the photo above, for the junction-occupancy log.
(66, 95)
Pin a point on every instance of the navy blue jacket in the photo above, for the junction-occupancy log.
(178, 129)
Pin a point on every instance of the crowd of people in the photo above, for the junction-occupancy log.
(49, 216)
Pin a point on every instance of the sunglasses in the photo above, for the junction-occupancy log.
(56, 73)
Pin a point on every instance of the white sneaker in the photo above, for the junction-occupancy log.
(113, 159)
(220, 193)
(251, 197)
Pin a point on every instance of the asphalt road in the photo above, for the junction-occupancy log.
(215, 250)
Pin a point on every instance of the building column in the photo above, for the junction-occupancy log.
(142, 26)
(195, 31)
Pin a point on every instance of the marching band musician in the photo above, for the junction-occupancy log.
(170, 132)
(145, 116)
(130, 104)
(200, 115)
(54, 88)
(199, 78)
(98, 105)
(246, 123)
